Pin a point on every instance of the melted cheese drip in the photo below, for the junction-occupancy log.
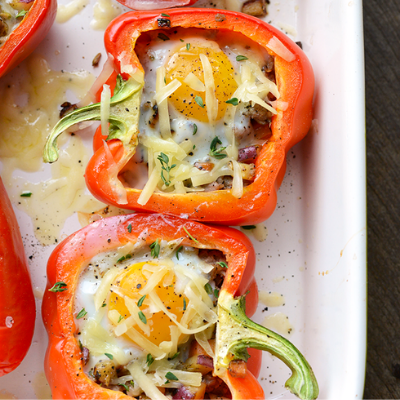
(271, 299)
(104, 11)
(278, 322)
(29, 110)
(41, 386)
(66, 12)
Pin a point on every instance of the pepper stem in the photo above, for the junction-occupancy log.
(123, 119)
(236, 332)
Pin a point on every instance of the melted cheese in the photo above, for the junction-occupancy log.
(66, 12)
(104, 11)
(24, 126)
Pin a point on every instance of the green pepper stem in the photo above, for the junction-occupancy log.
(236, 332)
(123, 119)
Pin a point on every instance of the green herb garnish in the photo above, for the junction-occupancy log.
(141, 300)
(184, 304)
(110, 356)
(222, 264)
(241, 58)
(177, 251)
(164, 161)
(58, 287)
(125, 386)
(214, 152)
(123, 258)
(190, 236)
(170, 376)
(174, 356)
(208, 288)
(194, 129)
(165, 15)
(81, 314)
(26, 194)
(234, 101)
(149, 360)
(121, 317)
(142, 317)
(199, 101)
(187, 46)
(22, 13)
(130, 228)
(155, 249)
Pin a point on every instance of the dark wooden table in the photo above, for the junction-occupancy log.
(382, 78)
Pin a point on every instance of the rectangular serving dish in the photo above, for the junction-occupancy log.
(315, 252)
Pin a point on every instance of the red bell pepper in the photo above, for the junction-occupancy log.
(28, 34)
(295, 82)
(17, 303)
(64, 360)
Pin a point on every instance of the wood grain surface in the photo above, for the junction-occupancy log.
(382, 78)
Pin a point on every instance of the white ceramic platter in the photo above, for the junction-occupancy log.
(315, 252)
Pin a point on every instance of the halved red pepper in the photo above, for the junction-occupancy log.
(63, 363)
(17, 303)
(29, 33)
(295, 82)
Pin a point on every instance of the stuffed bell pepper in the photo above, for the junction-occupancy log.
(17, 303)
(153, 307)
(23, 25)
(198, 116)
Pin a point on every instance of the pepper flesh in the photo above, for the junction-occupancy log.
(63, 362)
(295, 82)
(28, 34)
(17, 303)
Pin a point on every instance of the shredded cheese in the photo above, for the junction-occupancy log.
(155, 298)
(108, 69)
(166, 91)
(211, 100)
(280, 49)
(163, 113)
(194, 82)
(149, 188)
(145, 382)
(237, 183)
(102, 291)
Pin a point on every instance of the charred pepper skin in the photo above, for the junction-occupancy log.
(27, 36)
(17, 303)
(295, 80)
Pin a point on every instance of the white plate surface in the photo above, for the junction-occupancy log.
(315, 252)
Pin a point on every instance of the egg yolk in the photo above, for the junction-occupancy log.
(131, 283)
(182, 62)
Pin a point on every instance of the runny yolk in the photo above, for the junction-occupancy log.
(182, 62)
(131, 283)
